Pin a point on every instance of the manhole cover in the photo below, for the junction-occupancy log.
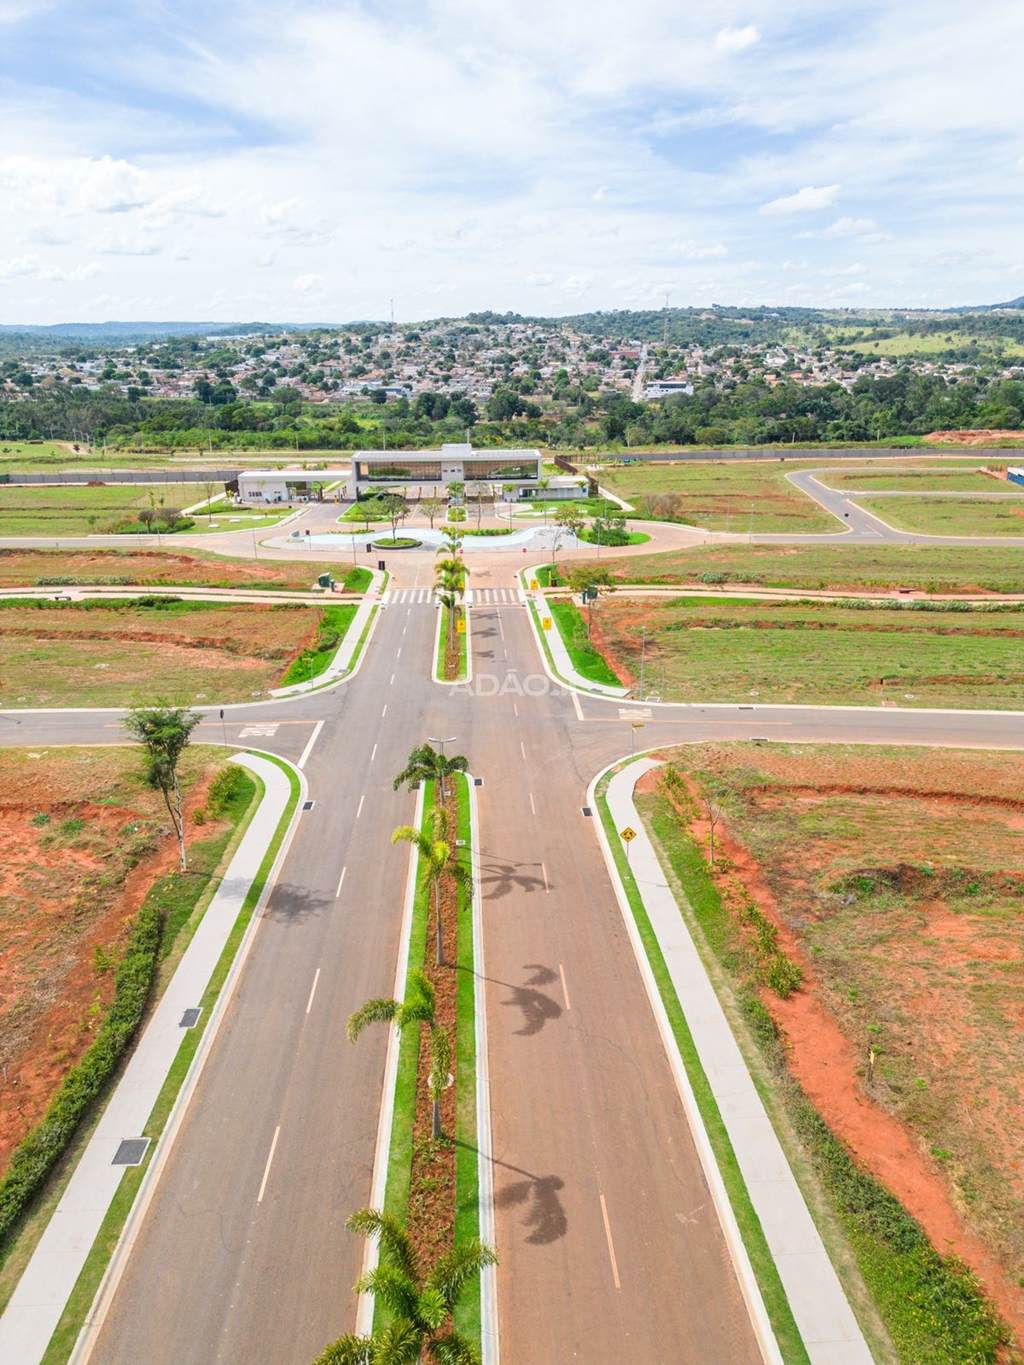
(308, 805)
(587, 810)
(478, 782)
(190, 1018)
(130, 1152)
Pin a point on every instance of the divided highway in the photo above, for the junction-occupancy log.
(610, 1248)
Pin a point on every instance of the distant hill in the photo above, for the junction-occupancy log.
(109, 331)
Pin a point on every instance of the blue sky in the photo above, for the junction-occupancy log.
(311, 161)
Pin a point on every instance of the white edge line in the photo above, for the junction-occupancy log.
(378, 1184)
(749, 1287)
(565, 988)
(309, 746)
(312, 991)
(341, 881)
(133, 1223)
(270, 1158)
(611, 1244)
(490, 1352)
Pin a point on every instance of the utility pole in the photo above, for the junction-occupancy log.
(643, 658)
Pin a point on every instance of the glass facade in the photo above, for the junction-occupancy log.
(499, 469)
(399, 471)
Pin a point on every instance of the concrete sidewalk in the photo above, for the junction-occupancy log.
(37, 1303)
(341, 665)
(823, 1315)
(564, 671)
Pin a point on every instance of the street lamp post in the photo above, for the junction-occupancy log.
(643, 658)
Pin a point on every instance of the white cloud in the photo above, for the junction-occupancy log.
(540, 281)
(305, 284)
(18, 266)
(599, 193)
(811, 199)
(864, 229)
(693, 251)
(736, 39)
(125, 244)
(80, 272)
(573, 284)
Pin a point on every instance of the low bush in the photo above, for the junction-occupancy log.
(35, 1157)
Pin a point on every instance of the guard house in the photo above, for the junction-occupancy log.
(428, 473)
(284, 485)
(1015, 474)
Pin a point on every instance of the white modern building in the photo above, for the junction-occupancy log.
(429, 473)
(285, 485)
(665, 388)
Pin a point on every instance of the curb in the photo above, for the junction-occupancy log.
(436, 660)
(489, 1322)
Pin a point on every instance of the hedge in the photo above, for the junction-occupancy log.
(36, 1156)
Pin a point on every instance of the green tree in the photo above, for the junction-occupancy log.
(438, 861)
(165, 732)
(419, 1008)
(450, 581)
(431, 508)
(396, 509)
(590, 582)
(425, 764)
(570, 518)
(420, 1302)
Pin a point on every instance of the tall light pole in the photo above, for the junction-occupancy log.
(643, 658)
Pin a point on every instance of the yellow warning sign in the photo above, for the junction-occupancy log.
(628, 834)
(534, 585)
(460, 626)
(546, 622)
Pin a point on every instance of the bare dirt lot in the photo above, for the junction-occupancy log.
(896, 878)
(81, 842)
(106, 653)
(27, 568)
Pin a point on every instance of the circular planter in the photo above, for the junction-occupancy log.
(401, 543)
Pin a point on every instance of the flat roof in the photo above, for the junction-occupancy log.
(447, 453)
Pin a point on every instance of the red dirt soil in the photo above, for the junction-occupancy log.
(52, 998)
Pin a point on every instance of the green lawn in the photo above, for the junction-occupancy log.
(80, 509)
(953, 568)
(587, 660)
(775, 652)
(314, 660)
(950, 517)
(912, 480)
(733, 495)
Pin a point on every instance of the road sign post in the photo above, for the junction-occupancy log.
(637, 725)
(627, 836)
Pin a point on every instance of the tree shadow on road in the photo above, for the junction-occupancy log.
(293, 905)
(499, 878)
(538, 1195)
(537, 1008)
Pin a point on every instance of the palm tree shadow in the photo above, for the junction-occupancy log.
(293, 905)
(537, 1008)
(544, 1212)
(500, 878)
(538, 1194)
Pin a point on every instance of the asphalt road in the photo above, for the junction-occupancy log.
(609, 1247)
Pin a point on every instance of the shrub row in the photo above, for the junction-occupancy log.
(36, 1156)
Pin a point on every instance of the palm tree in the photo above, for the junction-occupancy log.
(427, 765)
(419, 1007)
(421, 1303)
(438, 859)
(450, 585)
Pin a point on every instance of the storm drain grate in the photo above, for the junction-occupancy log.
(308, 805)
(587, 811)
(130, 1152)
(190, 1018)
(478, 782)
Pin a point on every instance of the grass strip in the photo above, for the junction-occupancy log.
(66, 1333)
(314, 660)
(588, 662)
(362, 640)
(441, 673)
(932, 1306)
(763, 1263)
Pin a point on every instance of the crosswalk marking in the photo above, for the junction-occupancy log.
(262, 730)
(475, 597)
